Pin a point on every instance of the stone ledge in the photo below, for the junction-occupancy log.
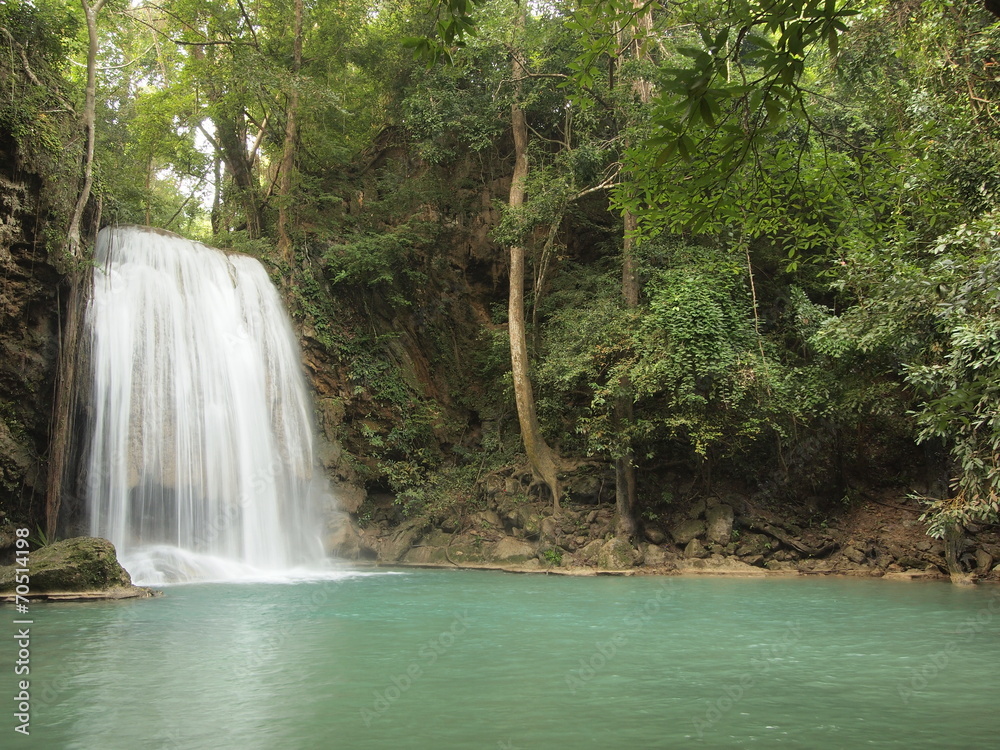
(121, 592)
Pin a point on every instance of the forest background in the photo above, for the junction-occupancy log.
(619, 249)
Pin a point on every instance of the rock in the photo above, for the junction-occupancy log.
(924, 545)
(778, 565)
(753, 559)
(78, 564)
(588, 554)
(437, 538)
(854, 555)
(346, 542)
(404, 537)
(655, 557)
(696, 509)
(695, 548)
(531, 523)
(350, 497)
(913, 575)
(592, 516)
(720, 523)
(910, 562)
(617, 554)
(328, 453)
(654, 536)
(755, 544)
(685, 531)
(983, 561)
(549, 528)
(486, 520)
(513, 550)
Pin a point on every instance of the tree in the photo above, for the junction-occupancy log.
(542, 458)
(73, 239)
(291, 135)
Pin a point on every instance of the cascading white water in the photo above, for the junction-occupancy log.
(200, 461)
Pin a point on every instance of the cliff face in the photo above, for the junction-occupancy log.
(29, 330)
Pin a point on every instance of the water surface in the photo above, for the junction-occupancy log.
(466, 659)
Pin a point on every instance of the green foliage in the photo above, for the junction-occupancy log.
(39, 100)
(815, 189)
(39, 538)
(959, 377)
(377, 258)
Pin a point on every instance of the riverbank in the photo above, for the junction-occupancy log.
(724, 533)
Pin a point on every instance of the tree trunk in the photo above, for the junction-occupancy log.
(65, 399)
(625, 479)
(231, 134)
(543, 460)
(288, 152)
(954, 543)
(74, 243)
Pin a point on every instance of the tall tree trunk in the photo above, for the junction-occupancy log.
(65, 398)
(291, 134)
(217, 192)
(74, 243)
(231, 134)
(543, 460)
(59, 437)
(625, 478)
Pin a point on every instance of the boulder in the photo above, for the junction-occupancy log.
(486, 520)
(655, 557)
(912, 563)
(984, 560)
(350, 497)
(854, 555)
(654, 535)
(720, 523)
(588, 554)
(513, 550)
(402, 538)
(78, 564)
(549, 528)
(617, 554)
(695, 548)
(755, 544)
(346, 542)
(696, 509)
(685, 531)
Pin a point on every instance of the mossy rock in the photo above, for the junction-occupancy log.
(617, 554)
(78, 564)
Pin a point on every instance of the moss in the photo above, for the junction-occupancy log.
(78, 564)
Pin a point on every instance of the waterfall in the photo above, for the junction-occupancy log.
(200, 461)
